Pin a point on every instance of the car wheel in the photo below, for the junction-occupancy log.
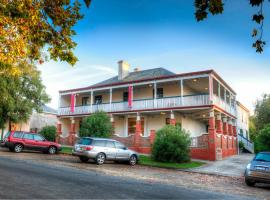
(52, 150)
(18, 148)
(132, 160)
(83, 159)
(249, 183)
(100, 159)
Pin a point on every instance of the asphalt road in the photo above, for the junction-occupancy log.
(32, 180)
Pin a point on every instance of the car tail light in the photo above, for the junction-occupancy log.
(89, 148)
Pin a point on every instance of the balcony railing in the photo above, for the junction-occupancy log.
(146, 104)
(223, 105)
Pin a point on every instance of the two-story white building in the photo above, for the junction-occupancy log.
(140, 102)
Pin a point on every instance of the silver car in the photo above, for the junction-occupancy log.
(101, 149)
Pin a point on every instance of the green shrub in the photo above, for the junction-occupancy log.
(49, 132)
(241, 145)
(171, 145)
(96, 125)
(262, 141)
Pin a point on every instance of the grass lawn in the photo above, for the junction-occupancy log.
(146, 160)
(66, 150)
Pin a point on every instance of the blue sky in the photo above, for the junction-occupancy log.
(164, 33)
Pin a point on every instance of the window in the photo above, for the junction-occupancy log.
(99, 143)
(159, 93)
(85, 141)
(18, 134)
(110, 144)
(125, 96)
(28, 136)
(167, 122)
(98, 99)
(38, 138)
(119, 145)
(85, 101)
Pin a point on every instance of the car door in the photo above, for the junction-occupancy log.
(40, 143)
(28, 140)
(122, 152)
(110, 150)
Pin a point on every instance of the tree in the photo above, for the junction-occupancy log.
(252, 129)
(262, 142)
(214, 7)
(96, 125)
(171, 145)
(49, 132)
(262, 112)
(27, 27)
(20, 95)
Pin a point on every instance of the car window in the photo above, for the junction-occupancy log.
(18, 134)
(85, 141)
(28, 136)
(7, 134)
(110, 144)
(265, 157)
(38, 138)
(99, 143)
(119, 145)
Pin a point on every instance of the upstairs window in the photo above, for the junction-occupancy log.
(98, 99)
(125, 96)
(159, 93)
(85, 101)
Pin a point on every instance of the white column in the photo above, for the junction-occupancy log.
(182, 91)
(210, 89)
(225, 95)
(138, 118)
(155, 94)
(91, 99)
(59, 104)
(172, 115)
(218, 90)
(110, 99)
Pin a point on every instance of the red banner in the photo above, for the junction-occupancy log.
(130, 96)
(72, 102)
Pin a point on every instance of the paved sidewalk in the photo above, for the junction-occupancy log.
(232, 166)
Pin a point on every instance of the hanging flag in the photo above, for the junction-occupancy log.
(72, 102)
(130, 96)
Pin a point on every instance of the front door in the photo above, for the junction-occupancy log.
(110, 150)
(132, 125)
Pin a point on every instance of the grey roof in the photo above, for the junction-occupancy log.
(139, 75)
(47, 109)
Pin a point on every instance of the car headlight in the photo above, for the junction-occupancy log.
(248, 166)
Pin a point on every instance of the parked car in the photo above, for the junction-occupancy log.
(258, 170)
(101, 149)
(18, 141)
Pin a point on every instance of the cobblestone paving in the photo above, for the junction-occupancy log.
(224, 184)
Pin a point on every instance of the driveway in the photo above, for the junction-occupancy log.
(232, 166)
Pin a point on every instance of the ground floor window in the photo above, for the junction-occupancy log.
(132, 125)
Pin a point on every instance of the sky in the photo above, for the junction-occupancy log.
(164, 33)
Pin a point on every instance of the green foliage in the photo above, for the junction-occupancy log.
(262, 142)
(96, 125)
(214, 7)
(252, 129)
(262, 112)
(20, 96)
(171, 145)
(49, 132)
(241, 145)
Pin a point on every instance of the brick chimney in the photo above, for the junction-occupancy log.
(123, 69)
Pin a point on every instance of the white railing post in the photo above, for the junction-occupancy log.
(182, 92)
(91, 103)
(110, 99)
(155, 94)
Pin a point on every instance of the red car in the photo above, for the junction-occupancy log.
(18, 141)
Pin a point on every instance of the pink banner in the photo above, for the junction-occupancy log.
(130, 96)
(72, 102)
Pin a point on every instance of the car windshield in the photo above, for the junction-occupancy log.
(85, 141)
(265, 157)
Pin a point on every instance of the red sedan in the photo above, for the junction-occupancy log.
(18, 141)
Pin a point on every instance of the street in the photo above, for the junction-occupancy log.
(30, 179)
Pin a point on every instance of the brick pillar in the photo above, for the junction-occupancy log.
(219, 124)
(58, 132)
(234, 131)
(71, 137)
(138, 131)
(212, 137)
(225, 126)
(172, 119)
(152, 136)
(230, 129)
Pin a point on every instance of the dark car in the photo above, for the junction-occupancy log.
(258, 170)
(17, 141)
